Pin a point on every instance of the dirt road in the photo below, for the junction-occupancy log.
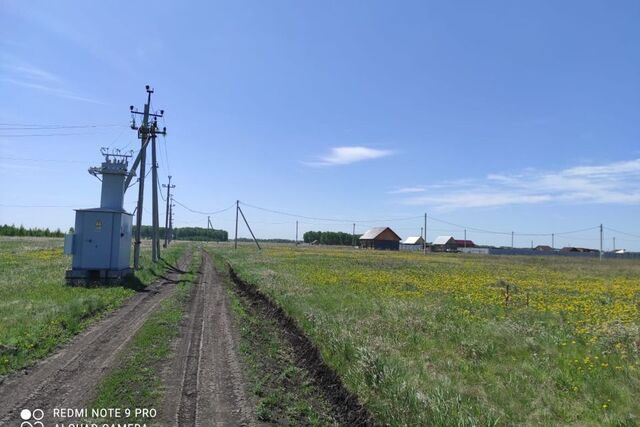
(204, 385)
(68, 378)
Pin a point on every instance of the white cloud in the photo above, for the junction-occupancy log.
(610, 183)
(19, 73)
(405, 190)
(347, 155)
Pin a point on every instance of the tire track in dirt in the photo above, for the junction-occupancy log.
(348, 409)
(68, 378)
(204, 384)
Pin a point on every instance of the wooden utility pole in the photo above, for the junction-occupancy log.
(249, 227)
(601, 235)
(155, 243)
(465, 237)
(296, 232)
(424, 245)
(171, 206)
(512, 234)
(235, 240)
(167, 213)
(553, 240)
(145, 134)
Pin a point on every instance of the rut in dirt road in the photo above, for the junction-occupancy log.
(204, 385)
(68, 378)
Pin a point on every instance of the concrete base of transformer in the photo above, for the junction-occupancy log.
(96, 276)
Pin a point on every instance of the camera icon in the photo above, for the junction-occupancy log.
(31, 418)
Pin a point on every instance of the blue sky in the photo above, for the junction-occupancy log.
(495, 115)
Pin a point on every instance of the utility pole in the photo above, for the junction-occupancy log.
(601, 234)
(296, 232)
(553, 238)
(144, 135)
(249, 227)
(154, 177)
(235, 242)
(512, 233)
(424, 245)
(167, 213)
(532, 244)
(171, 206)
(614, 244)
(465, 237)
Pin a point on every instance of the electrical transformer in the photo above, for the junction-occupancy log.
(101, 242)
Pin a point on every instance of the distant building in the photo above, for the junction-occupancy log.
(449, 244)
(413, 243)
(465, 243)
(543, 248)
(444, 244)
(574, 249)
(380, 238)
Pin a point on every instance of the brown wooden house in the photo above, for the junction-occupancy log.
(380, 238)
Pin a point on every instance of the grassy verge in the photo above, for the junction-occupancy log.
(38, 312)
(456, 340)
(284, 392)
(135, 382)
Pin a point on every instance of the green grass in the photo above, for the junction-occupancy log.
(436, 340)
(38, 312)
(135, 382)
(284, 393)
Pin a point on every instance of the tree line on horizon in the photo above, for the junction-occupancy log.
(12, 230)
(329, 237)
(187, 233)
(179, 233)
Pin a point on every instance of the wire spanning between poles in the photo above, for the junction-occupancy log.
(460, 226)
(329, 219)
(202, 212)
(622, 232)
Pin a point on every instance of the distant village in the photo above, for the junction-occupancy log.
(384, 238)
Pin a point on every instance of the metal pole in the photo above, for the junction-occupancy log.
(171, 220)
(512, 239)
(424, 244)
(166, 219)
(296, 232)
(249, 227)
(465, 237)
(235, 244)
(614, 244)
(143, 158)
(600, 242)
(155, 252)
(553, 238)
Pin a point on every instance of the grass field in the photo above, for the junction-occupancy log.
(462, 340)
(38, 311)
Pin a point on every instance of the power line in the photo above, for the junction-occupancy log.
(11, 126)
(201, 212)
(622, 232)
(30, 159)
(328, 219)
(37, 206)
(46, 134)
